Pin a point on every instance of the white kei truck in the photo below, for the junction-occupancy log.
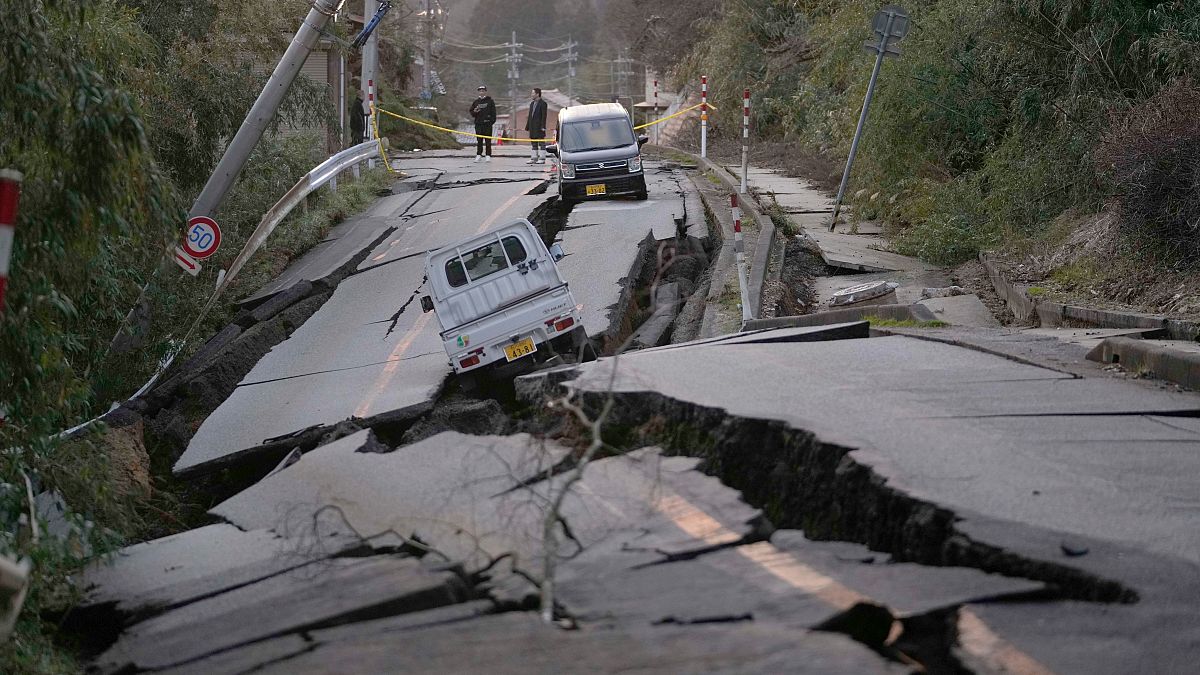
(503, 307)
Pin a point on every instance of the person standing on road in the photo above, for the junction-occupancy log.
(483, 111)
(535, 124)
(358, 119)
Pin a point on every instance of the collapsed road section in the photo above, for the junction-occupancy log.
(719, 524)
(801, 499)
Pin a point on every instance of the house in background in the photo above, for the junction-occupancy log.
(555, 100)
(326, 66)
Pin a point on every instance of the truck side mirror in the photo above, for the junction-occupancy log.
(552, 149)
(426, 303)
(556, 252)
(642, 140)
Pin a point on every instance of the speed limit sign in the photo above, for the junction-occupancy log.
(202, 237)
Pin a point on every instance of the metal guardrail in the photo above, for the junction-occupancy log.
(323, 173)
(318, 177)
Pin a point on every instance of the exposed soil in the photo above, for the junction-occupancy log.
(818, 169)
(802, 264)
(974, 279)
(1094, 264)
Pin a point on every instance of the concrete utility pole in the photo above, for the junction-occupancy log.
(370, 57)
(890, 25)
(514, 75)
(427, 84)
(571, 57)
(264, 109)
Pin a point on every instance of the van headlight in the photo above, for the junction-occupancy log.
(567, 170)
(635, 164)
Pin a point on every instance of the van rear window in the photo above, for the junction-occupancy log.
(485, 260)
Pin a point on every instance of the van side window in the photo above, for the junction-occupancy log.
(455, 274)
(515, 249)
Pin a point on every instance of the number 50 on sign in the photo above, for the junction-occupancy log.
(202, 237)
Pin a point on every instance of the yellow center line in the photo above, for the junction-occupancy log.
(978, 640)
(389, 371)
(975, 637)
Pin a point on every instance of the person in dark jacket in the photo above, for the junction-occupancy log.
(535, 124)
(483, 111)
(358, 119)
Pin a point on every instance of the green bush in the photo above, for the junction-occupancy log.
(983, 130)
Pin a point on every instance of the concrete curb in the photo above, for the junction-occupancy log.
(1176, 366)
(766, 228)
(1050, 314)
(893, 312)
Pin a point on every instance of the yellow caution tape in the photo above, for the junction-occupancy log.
(515, 140)
(465, 133)
(664, 119)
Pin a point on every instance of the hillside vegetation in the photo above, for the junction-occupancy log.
(1004, 121)
(116, 112)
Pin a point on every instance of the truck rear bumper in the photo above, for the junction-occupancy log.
(481, 344)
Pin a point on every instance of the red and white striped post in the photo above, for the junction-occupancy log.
(745, 137)
(10, 195)
(739, 247)
(656, 131)
(704, 116)
(371, 118)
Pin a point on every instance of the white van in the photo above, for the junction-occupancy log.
(502, 303)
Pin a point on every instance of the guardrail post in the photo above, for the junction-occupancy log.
(739, 247)
(745, 137)
(657, 138)
(10, 195)
(703, 116)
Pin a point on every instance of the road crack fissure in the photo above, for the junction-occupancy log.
(803, 483)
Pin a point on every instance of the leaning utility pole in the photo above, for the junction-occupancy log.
(426, 84)
(264, 109)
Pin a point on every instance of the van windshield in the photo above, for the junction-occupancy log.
(605, 134)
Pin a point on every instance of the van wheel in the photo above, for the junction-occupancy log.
(584, 351)
(588, 353)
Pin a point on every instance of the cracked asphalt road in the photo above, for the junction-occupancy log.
(801, 500)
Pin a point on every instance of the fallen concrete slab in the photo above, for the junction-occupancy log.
(322, 594)
(156, 575)
(475, 499)
(864, 253)
(962, 310)
(789, 580)
(391, 630)
(520, 643)
(441, 489)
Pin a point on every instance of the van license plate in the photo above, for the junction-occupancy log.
(523, 348)
(593, 190)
